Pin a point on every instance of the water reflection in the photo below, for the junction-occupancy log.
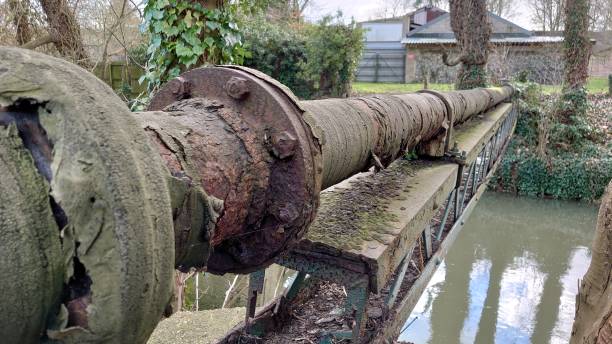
(520, 293)
(510, 277)
(479, 284)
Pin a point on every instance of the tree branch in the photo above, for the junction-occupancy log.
(452, 62)
(46, 39)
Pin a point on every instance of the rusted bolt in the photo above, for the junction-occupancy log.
(237, 88)
(283, 145)
(181, 88)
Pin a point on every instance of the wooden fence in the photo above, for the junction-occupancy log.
(122, 77)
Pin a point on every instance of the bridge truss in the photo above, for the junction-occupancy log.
(424, 207)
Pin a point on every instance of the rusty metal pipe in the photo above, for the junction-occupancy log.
(224, 173)
(251, 145)
(357, 133)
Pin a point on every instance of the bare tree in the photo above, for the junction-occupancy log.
(502, 8)
(288, 9)
(20, 10)
(63, 30)
(547, 14)
(470, 23)
(601, 15)
(392, 8)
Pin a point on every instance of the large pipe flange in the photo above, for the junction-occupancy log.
(244, 140)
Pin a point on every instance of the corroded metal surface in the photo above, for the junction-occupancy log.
(245, 141)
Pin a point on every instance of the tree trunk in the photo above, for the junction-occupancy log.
(577, 44)
(470, 23)
(593, 322)
(21, 19)
(65, 30)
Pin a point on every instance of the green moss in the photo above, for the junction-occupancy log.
(348, 217)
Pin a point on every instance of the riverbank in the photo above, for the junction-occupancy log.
(551, 159)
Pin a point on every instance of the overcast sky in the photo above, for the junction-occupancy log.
(369, 9)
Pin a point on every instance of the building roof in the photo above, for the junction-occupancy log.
(440, 27)
(402, 17)
(410, 40)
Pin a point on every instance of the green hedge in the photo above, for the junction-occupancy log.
(567, 176)
(578, 160)
(313, 60)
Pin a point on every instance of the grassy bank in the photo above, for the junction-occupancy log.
(595, 85)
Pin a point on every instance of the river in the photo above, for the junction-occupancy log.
(510, 277)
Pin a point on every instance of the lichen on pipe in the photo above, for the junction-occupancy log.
(358, 133)
(88, 209)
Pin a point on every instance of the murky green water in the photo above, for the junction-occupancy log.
(511, 276)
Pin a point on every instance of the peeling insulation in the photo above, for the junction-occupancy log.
(85, 222)
(358, 133)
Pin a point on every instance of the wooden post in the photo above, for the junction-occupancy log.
(426, 235)
(376, 66)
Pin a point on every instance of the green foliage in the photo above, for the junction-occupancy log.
(333, 50)
(576, 176)
(138, 54)
(312, 60)
(578, 165)
(471, 76)
(185, 34)
(277, 50)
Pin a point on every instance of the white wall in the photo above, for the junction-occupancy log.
(383, 32)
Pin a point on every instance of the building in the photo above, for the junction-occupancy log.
(384, 55)
(426, 34)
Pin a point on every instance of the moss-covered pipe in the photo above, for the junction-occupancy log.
(86, 239)
(357, 133)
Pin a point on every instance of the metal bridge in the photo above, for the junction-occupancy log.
(392, 242)
(224, 174)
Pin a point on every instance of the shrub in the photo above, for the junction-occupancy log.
(565, 176)
(333, 50)
(575, 164)
(278, 51)
(312, 60)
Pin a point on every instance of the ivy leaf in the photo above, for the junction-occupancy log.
(209, 41)
(188, 19)
(182, 50)
(191, 38)
(174, 72)
(157, 14)
(198, 50)
(213, 25)
(189, 61)
(172, 31)
(161, 4)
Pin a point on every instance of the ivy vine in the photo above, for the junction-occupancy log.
(184, 34)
